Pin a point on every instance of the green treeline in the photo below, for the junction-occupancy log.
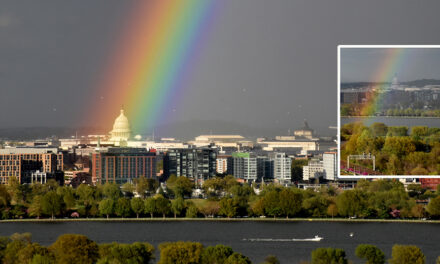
(74, 248)
(381, 199)
(398, 150)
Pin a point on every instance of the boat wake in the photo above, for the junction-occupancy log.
(315, 239)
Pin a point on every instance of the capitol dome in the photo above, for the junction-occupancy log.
(121, 128)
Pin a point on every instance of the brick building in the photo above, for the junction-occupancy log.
(22, 162)
(121, 165)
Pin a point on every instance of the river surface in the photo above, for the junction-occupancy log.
(394, 121)
(239, 235)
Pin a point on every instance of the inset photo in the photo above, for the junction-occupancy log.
(389, 111)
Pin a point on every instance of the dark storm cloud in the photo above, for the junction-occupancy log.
(362, 64)
(266, 64)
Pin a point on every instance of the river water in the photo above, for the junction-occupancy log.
(239, 235)
(394, 121)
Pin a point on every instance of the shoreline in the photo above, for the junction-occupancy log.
(269, 219)
(409, 117)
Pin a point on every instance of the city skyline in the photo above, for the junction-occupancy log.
(256, 54)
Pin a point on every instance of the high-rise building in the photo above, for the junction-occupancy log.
(121, 165)
(329, 165)
(198, 164)
(244, 166)
(22, 162)
(282, 165)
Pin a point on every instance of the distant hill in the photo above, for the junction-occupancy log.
(422, 82)
(185, 130)
(28, 133)
(349, 85)
(415, 83)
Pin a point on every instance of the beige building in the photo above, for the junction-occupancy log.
(222, 141)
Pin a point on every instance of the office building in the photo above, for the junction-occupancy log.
(282, 167)
(313, 170)
(244, 166)
(329, 165)
(121, 165)
(21, 162)
(198, 164)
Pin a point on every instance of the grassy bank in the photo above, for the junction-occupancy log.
(170, 219)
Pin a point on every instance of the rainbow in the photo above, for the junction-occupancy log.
(150, 63)
(384, 73)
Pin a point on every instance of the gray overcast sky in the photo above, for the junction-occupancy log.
(267, 64)
(362, 64)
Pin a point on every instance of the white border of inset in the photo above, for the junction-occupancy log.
(339, 114)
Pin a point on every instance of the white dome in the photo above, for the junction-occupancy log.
(121, 128)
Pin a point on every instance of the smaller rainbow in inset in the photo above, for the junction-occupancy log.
(391, 62)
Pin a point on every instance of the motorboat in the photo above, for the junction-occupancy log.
(314, 239)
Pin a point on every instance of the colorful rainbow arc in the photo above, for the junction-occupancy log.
(389, 66)
(155, 54)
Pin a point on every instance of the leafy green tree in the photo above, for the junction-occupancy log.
(332, 210)
(228, 207)
(71, 248)
(5, 198)
(237, 258)
(144, 185)
(400, 146)
(136, 253)
(123, 207)
(137, 205)
(150, 206)
(36, 207)
(433, 207)
(350, 203)
(379, 129)
(43, 259)
(51, 204)
(271, 259)
(216, 254)
(290, 202)
(163, 205)
(107, 207)
(26, 254)
(68, 197)
(272, 203)
(181, 187)
(328, 255)
(111, 191)
(177, 206)
(370, 253)
(87, 199)
(180, 252)
(418, 132)
(209, 208)
(214, 186)
(399, 131)
(230, 182)
(11, 253)
(191, 210)
(402, 254)
(4, 241)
